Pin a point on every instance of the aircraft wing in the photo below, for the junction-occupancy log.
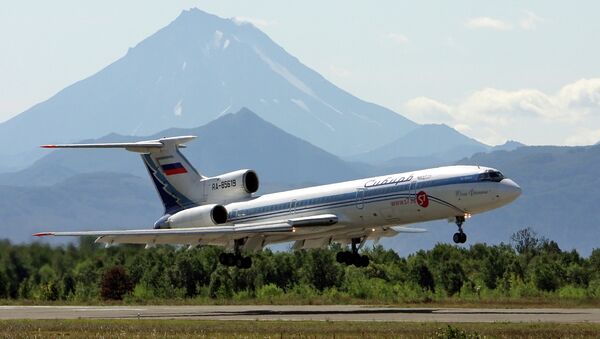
(213, 235)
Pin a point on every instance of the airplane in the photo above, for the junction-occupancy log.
(223, 210)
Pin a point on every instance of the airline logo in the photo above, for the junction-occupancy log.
(422, 199)
(174, 168)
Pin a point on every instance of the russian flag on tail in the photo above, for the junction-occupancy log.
(174, 168)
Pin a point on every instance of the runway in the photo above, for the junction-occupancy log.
(308, 312)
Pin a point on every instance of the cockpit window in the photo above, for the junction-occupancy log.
(491, 175)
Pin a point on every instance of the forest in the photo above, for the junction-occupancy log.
(527, 267)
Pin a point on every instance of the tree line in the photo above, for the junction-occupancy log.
(527, 267)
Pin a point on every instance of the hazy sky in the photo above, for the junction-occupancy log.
(524, 70)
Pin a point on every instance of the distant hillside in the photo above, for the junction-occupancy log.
(89, 201)
(510, 145)
(561, 190)
(234, 141)
(189, 73)
(438, 143)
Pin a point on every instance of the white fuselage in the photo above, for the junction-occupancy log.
(378, 202)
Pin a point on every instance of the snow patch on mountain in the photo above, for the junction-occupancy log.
(217, 39)
(300, 104)
(178, 109)
(285, 73)
(223, 112)
(362, 117)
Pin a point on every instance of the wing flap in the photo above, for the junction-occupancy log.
(315, 220)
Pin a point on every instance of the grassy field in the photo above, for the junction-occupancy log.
(283, 329)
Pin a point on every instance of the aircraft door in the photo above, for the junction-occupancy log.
(412, 191)
(360, 198)
(293, 206)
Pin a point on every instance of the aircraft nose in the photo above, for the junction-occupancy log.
(510, 190)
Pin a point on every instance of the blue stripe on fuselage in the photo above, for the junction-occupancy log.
(348, 199)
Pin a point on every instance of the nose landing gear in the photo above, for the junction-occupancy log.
(460, 237)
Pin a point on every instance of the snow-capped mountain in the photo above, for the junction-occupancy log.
(194, 70)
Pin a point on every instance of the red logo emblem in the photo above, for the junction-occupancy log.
(422, 199)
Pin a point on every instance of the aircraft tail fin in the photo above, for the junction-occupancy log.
(176, 180)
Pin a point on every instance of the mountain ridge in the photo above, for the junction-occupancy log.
(192, 71)
(436, 141)
(275, 154)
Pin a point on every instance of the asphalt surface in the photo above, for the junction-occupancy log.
(331, 312)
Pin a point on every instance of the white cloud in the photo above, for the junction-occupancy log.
(531, 21)
(489, 23)
(499, 107)
(260, 23)
(398, 38)
(583, 95)
(428, 110)
(570, 116)
(584, 136)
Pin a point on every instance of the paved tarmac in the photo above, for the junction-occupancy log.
(329, 312)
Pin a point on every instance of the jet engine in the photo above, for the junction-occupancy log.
(205, 215)
(232, 186)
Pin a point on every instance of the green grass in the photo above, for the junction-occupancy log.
(283, 329)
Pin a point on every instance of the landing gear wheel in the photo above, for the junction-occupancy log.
(226, 259)
(246, 262)
(361, 261)
(239, 261)
(230, 259)
(352, 257)
(342, 257)
(223, 259)
(459, 237)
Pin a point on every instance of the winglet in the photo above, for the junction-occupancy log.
(43, 234)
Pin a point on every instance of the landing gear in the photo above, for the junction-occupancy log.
(230, 259)
(236, 258)
(459, 237)
(352, 257)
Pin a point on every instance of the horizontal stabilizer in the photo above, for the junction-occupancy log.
(140, 146)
